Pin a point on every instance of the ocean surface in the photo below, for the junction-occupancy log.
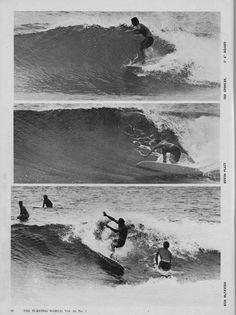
(102, 143)
(55, 254)
(71, 55)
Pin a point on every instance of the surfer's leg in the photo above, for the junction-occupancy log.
(113, 246)
(164, 157)
(175, 155)
(147, 42)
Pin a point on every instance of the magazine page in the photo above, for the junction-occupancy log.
(117, 142)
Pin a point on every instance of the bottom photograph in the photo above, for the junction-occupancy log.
(112, 246)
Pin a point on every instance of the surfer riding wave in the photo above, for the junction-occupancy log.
(148, 38)
(164, 147)
(122, 232)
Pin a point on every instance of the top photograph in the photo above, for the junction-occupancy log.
(159, 56)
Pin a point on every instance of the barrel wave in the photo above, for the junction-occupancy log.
(102, 145)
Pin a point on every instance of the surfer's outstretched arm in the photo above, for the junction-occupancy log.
(153, 149)
(114, 230)
(109, 217)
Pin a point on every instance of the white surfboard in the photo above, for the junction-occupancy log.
(166, 168)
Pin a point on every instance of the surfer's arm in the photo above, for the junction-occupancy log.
(109, 217)
(114, 230)
(133, 31)
(153, 149)
(43, 204)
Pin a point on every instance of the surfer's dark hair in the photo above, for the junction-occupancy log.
(20, 202)
(166, 245)
(121, 221)
(45, 196)
(135, 21)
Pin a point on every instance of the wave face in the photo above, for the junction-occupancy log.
(51, 247)
(55, 254)
(89, 60)
(105, 144)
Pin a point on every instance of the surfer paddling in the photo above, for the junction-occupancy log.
(165, 257)
(47, 202)
(24, 215)
(164, 147)
(122, 232)
(148, 38)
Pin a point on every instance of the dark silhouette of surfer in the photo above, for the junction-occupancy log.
(47, 202)
(165, 257)
(24, 215)
(122, 232)
(163, 147)
(148, 38)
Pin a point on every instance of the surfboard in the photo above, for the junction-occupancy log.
(166, 168)
(110, 264)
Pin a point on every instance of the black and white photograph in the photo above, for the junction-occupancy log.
(117, 157)
(123, 246)
(117, 55)
(114, 143)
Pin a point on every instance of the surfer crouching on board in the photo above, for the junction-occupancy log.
(165, 147)
(165, 257)
(24, 215)
(148, 38)
(122, 232)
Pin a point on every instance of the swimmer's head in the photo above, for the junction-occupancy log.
(166, 245)
(45, 197)
(135, 21)
(20, 203)
(121, 222)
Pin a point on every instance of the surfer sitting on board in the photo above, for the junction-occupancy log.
(148, 38)
(46, 202)
(165, 147)
(165, 257)
(122, 232)
(24, 215)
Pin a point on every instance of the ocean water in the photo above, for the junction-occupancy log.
(100, 143)
(66, 55)
(55, 253)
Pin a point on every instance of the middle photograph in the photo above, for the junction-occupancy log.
(116, 143)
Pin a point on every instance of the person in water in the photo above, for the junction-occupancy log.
(164, 147)
(24, 215)
(47, 202)
(122, 232)
(148, 38)
(165, 257)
